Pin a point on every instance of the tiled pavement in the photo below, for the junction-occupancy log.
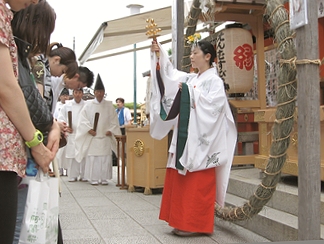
(106, 214)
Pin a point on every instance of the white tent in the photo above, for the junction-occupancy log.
(120, 33)
(125, 31)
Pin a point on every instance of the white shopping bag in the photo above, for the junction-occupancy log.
(40, 222)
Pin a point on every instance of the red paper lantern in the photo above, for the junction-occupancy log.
(235, 59)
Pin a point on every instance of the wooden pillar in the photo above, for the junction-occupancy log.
(261, 63)
(177, 33)
(309, 186)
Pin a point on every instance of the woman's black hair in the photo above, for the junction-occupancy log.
(206, 47)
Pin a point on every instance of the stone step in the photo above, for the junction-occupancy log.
(272, 224)
(244, 182)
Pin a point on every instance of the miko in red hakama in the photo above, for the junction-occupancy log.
(188, 200)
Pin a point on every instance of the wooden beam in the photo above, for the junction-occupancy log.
(309, 184)
(245, 103)
(233, 17)
(259, 34)
(238, 6)
(244, 159)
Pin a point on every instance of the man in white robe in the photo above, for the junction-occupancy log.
(97, 144)
(74, 108)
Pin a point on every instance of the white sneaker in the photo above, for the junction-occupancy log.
(104, 182)
(72, 179)
(83, 179)
(94, 183)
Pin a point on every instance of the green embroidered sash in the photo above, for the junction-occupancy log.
(184, 115)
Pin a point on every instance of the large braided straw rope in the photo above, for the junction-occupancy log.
(285, 113)
(284, 121)
(193, 16)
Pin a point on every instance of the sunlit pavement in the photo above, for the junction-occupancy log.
(107, 214)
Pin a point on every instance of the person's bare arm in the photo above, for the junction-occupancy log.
(41, 89)
(13, 103)
(54, 137)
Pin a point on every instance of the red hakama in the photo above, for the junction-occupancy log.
(188, 200)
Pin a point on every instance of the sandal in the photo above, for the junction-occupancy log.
(185, 233)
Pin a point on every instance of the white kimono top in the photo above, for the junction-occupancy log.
(75, 108)
(212, 134)
(99, 145)
(57, 84)
(58, 108)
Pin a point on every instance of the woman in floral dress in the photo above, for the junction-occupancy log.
(15, 124)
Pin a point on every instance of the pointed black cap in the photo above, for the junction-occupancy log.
(64, 92)
(99, 85)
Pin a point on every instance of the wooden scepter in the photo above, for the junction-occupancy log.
(70, 118)
(95, 123)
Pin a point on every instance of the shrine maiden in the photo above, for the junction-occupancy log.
(203, 141)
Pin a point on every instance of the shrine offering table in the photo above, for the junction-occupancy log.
(266, 118)
(146, 159)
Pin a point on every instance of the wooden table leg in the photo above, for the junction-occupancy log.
(118, 164)
(123, 184)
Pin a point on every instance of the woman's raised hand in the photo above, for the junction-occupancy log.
(155, 47)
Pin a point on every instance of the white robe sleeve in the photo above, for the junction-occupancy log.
(62, 114)
(171, 78)
(113, 127)
(83, 138)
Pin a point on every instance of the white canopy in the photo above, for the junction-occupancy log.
(125, 31)
(129, 30)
